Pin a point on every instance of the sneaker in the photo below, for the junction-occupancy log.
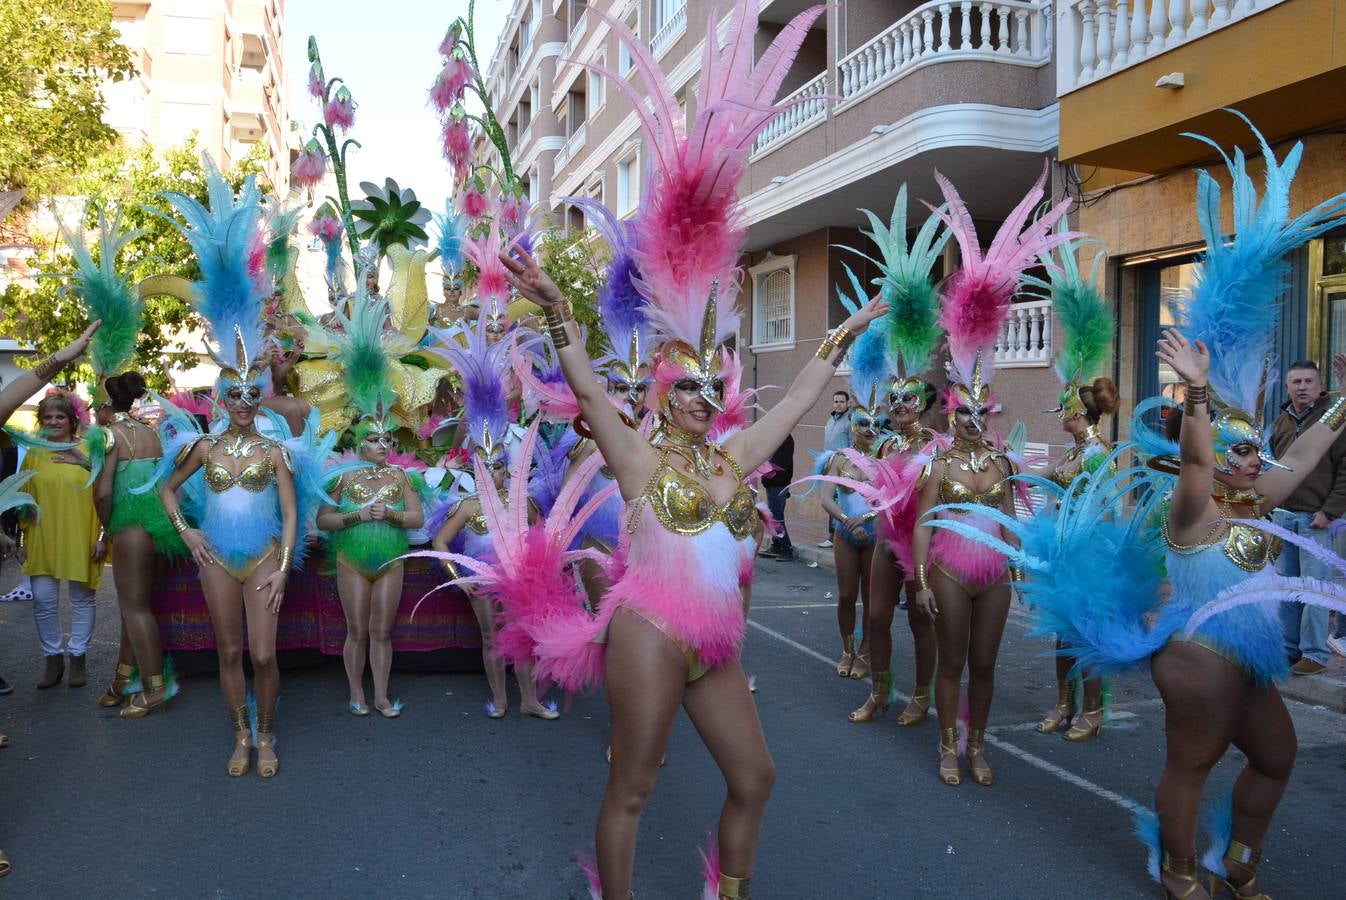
(825, 545)
(1337, 645)
(5, 688)
(1306, 666)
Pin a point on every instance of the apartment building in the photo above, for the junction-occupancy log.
(898, 88)
(1131, 81)
(212, 67)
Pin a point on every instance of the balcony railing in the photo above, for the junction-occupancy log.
(669, 32)
(577, 33)
(944, 31)
(798, 116)
(573, 145)
(1100, 37)
(1026, 339)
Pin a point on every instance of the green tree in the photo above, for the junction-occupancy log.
(129, 181)
(56, 56)
(576, 263)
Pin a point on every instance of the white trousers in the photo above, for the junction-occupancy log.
(47, 615)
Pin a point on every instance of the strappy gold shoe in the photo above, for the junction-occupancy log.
(1087, 726)
(847, 656)
(732, 888)
(113, 696)
(5, 867)
(1182, 871)
(876, 705)
(240, 766)
(266, 740)
(976, 749)
(948, 750)
(139, 707)
(1245, 858)
(917, 707)
(861, 670)
(1062, 712)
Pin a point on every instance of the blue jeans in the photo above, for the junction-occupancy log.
(775, 501)
(1305, 627)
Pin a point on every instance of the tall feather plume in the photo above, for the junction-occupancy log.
(868, 359)
(279, 251)
(977, 297)
(622, 308)
(689, 232)
(1085, 324)
(912, 323)
(366, 352)
(452, 232)
(1233, 306)
(482, 367)
(106, 295)
(228, 296)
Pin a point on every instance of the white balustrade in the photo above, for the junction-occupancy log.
(1101, 37)
(573, 145)
(810, 108)
(1026, 337)
(1012, 31)
(674, 27)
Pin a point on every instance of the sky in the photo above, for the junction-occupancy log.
(388, 54)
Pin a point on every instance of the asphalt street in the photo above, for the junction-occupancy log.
(444, 802)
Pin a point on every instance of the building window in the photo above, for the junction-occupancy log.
(189, 36)
(179, 120)
(628, 183)
(596, 94)
(773, 303)
(532, 187)
(663, 10)
(625, 63)
(594, 189)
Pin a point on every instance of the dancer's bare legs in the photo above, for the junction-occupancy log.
(384, 601)
(356, 595)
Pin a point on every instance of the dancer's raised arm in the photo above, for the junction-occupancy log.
(30, 382)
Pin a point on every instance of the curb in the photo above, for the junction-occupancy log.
(1316, 690)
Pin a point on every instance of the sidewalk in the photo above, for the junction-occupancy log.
(1327, 689)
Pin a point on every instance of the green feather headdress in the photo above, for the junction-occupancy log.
(1085, 327)
(106, 295)
(365, 350)
(912, 324)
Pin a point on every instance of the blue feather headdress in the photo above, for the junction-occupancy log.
(452, 232)
(482, 364)
(230, 296)
(868, 360)
(1233, 306)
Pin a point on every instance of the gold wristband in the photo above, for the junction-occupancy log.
(286, 559)
(178, 521)
(48, 368)
(839, 339)
(351, 518)
(556, 317)
(449, 568)
(920, 578)
(1197, 395)
(1335, 416)
(1016, 573)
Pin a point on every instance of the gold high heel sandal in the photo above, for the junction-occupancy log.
(4, 864)
(266, 740)
(732, 888)
(238, 717)
(1087, 726)
(948, 749)
(876, 706)
(861, 670)
(113, 696)
(1062, 712)
(917, 707)
(1184, 872)
(976, 749)
(847, 656)
(1246, 858)
(139, 707)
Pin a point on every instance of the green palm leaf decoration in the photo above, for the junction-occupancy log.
(390, 215)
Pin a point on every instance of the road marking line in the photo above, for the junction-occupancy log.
(1032, 726)
(796, 606)
(1037, 762)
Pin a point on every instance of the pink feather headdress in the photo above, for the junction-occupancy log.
(977, 297)
(688, 234)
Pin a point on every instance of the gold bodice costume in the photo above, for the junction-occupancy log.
(243, 526)
(975, 458)
(684, 505)
(1068, 468)
(970, 564)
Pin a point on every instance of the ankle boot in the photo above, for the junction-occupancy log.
(51, 675)
(79, 676)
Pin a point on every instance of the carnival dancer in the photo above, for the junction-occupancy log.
(482, 366)
(674, 620)
(1087, 329)
(961, 584)
(1213, 645)
(371, 508)
(911, 330)
(245, 540)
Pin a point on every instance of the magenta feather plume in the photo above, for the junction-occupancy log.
(977, 297)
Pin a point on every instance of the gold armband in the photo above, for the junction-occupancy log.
(1016, 573)
(178, 521)
(556, 317)
(286, 559)
(1335, 416)
(350, 519)
(449, 568)
(920, 578)
(839, 339)
(48, 368)
(1197, 395)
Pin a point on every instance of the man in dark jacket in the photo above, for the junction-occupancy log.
(777, 486)
(1318, 500)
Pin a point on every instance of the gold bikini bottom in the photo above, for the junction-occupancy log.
(972, 591)
(695, 666)
(244, 572)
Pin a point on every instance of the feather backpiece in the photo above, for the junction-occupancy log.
(689, 232)
(1084, 321)
(452, 232)
(107, 296)
(366, 350)
(1233, 305)
(868, 359)
(622, 308)
(977, 297)
(482, 366)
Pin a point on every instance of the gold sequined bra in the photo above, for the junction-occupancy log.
(1248, 548)
(363, 492)
(685, 506)
(951, 491)
(255, 478)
